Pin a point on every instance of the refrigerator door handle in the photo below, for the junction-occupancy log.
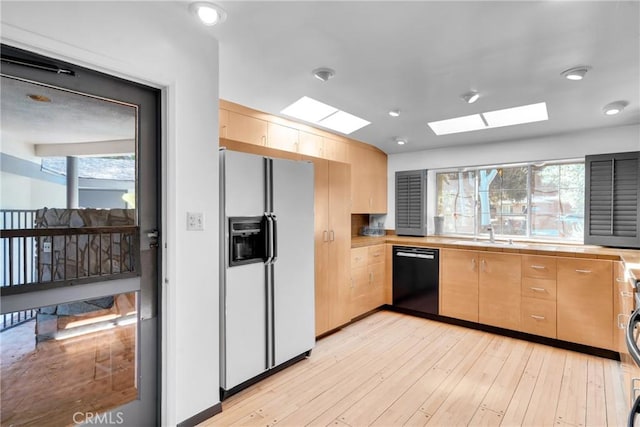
(268, 241)
(274, 238)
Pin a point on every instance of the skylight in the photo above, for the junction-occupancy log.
(310, 110)
(457, 125)
(492, 119)
(517, 115)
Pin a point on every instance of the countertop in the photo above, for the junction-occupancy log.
(630, 257)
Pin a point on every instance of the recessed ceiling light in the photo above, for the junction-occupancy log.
(517, 115)
(457, 125)
(310, 110)
(401, 141)
(614, 108)
(209, 14)
(576, 73)
(323, 73)
(470, 97)
(394, 113)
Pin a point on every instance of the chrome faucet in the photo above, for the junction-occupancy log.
(492, 236)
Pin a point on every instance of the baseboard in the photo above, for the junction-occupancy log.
(201, 416)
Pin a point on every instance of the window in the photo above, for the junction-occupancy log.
(537, 201)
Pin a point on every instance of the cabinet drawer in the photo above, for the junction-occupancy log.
(359, 257)
(539, 288)
(376, 254)
(585, 271)
(539, 267)
(538, 317)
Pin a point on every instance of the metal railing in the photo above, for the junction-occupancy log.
(38, 259)
(11, 219)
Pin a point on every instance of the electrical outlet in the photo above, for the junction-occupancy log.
(195, 221)
(46, 247)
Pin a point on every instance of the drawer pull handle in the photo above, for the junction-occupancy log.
(626, 294)
(620, 279)
(538, 289)
(583, 271)
(537, 317)
(538, 267)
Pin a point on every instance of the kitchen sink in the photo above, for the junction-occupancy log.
(497, 243)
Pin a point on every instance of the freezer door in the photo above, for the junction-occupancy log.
(243, 184)
(293, 288)
(245, 325)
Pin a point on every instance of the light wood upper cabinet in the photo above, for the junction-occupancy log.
(246, 129)
(282, 137)
(335, 150)
(310, 144)
(368, 164)
(223, 122)
(369, 180)
(459, 284)
(585, 302)
(499, 290)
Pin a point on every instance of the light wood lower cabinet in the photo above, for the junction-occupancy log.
(367, 279)
(538, 303)
(571, 299)
(459, 284)
(585, 302)
(332, 244)
(499, 290)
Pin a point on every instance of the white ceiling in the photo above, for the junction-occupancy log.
(417, 56)
(68, 117)
(420, 56)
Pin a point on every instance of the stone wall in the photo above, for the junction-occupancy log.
(84, 255)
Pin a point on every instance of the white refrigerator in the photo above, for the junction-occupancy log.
(267, 266)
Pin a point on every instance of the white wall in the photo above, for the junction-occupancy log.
(158, 43)
(21, 192)
(566, 146)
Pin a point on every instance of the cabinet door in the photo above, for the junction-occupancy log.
(339, 241)
(324, 294)
(282, 137)
(360, 282)
(585, 302)
(378, 174)
(360, 182)
(310, 144)
(499, 290)
(246, 129)
(335, 150)
(459, 284)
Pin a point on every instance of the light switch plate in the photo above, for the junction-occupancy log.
(195, 221)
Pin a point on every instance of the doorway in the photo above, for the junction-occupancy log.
(80, 208)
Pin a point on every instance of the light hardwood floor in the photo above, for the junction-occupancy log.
(391, 369)
(55, 383)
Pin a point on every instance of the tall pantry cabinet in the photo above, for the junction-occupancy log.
(332, 243)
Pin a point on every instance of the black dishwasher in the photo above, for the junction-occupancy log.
(415, 279)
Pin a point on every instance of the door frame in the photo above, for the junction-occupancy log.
(149, 215)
